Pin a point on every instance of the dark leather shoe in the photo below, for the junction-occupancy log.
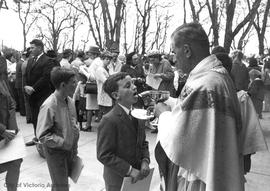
(31, 143)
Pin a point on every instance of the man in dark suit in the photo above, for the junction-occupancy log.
(37, 77)
(121, 144)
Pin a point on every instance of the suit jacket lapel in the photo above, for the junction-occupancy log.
(125, 118)
(29, 68)
(29, 64)
(35, 63)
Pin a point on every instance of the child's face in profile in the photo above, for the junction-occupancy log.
(70, 87)
(127, 92)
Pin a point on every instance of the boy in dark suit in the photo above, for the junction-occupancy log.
(121, 144)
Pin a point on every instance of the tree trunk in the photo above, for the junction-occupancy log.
(229, 33)
(261, 44)
(55, 42)
(261, 30)
(73, 36)
(243, 36)
(227, 42)
(125, 32)
(112, 31)
(230, 8)
(143, 37)
(24, 38)
(215, 25)
(185, 12)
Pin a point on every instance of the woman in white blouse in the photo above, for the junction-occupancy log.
(89, 70)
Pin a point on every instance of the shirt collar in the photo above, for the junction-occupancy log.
(39, 56)
(124, 108)
(133, 67)
(61, 99)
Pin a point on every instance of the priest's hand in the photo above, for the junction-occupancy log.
(145, 170)
(135, 175)
(158, 76)
(145, 96)
(29, 90)
(160, 108)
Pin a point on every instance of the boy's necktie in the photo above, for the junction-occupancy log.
(129, 115)
(35, 60)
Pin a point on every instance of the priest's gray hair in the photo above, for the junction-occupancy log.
(191, 33)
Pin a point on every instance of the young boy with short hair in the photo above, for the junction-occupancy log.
(57, 128)
(121, 144)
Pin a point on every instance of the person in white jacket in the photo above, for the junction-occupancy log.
(104, 100)
(91, 99)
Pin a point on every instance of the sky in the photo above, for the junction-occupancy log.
(11, 30)
(11, 33)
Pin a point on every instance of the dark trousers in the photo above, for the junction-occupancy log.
(27, 108)
(13, 172)
(59, 164)
(34, 107)
(112, 187)
(21, 101)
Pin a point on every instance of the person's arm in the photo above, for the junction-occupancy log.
(171, 102)
(101, 75)
(161, 108)
(84, 70)
(12, 123)
(46, 120)
(106, 148)
(5, 134)
(76, 94)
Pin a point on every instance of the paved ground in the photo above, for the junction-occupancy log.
(35, 176)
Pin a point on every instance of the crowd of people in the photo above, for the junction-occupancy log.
(207, 129)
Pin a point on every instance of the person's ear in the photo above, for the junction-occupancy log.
(62, 85)
(187, 51)
(115, 95)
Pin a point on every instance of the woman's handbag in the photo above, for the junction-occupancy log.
(90, 87)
